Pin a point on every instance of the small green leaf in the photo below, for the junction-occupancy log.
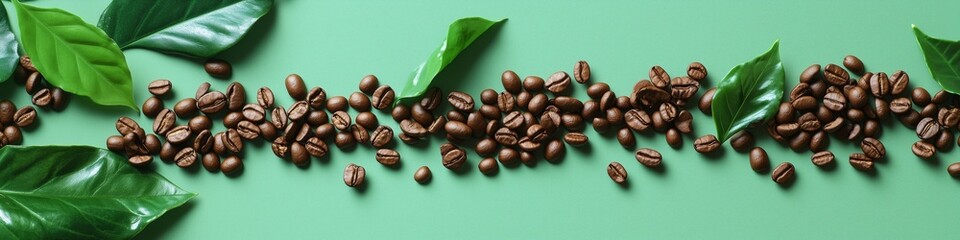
(8, 46)
(75, 56)
(750, 93)
(194, 28)
(943, 60)
(78, 192)
(459, 36)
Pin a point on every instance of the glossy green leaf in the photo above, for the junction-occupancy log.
(194, 28)
(750, 93)
(943, 60)
(8, 46)
(75, 56)
(78, 192)
(460, 35)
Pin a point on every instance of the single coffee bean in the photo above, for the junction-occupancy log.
(160, 87)
(683, 88)
(345, 140)
(538, 103)
(558, 82)
(834, 101)
(231, 164)
(788, 129)
(615, 116)
(232, 119)
(168, 152)
(400, 112)
(248, 130)
(438, 124)
(232, 141)
(707, 100)
(930, 110)
(759, 160)
(802, 89)
(528, 145)
(58, 98)
(162, 124)
(741, 142)
(488, 97)
(805, 103)
(134, 143)
(954, 169)
(35, 82)
(461, 101)
(369, 83)
(298, 154)
(856, 115)
(873, 148)
(279, 117)
(784, 173)
(506, 137)
(822, 158)
(810, 74)
(871, 128)
(422, 175)
(597, 90)
(365, 119)
(453, 156)
(581, 71)
(785, 113)
(295, 87)
(617, 173)
(488, 166)
(697, 71)
(667, 112)
(626, 138)
(945, 141)
(265, 97)
(942, 97)
(927, 129)
(533, 84)
(673, 138)
(853, 64)
(575, 139)
(486, 147)
(412, 128)
(601, 125)
(490, 112)
(659, 77)
(568, 104)
(508, 156)
(218, 68)
(360, 134)
(899, 82)
(114, 143)
(506, 102)
(202, 89)
(140, 160)
(706, 144)
(178, 135)
(861, 162)
(431, 99)
(186, 157)
(511, 82)
(900, 105)
(281, 148)
(316, 147)
(254, 113)
(947, 117)
(324, 131)
(649, 157)
(920, 96)
(236, 96)
(528, 159)
(819, 141)
(186, 107)
(523, 99)
(855, 132)
(360, 102)
(211, 162)
(353, 175)
(212, 102)
(554, 150)
(383, 97)
(923, 149)
(124, 125)
(299, 110)
(880, 84)
(268, 131)
(835, 75)
(152, 107)
(423, 116)
(7, 110)
(808, 122)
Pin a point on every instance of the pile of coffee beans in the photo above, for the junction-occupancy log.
(12, 120)
(44, 94)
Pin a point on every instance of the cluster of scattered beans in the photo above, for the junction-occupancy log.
(44, 94)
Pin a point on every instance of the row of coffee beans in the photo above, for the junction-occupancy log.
(44, 94)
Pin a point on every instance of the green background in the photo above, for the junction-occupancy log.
(334, 43)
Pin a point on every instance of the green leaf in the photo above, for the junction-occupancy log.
(75, 56)
(8, 46)
(460, 35)
(78, 192)
(194, 28)
(942, 60)
(750, 93)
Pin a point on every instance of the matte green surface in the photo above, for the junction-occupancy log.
(335, 43)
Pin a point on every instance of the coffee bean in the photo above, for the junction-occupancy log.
(324, 131)
(617, 173)
(508, 156)
(488, 96)
(554, 150)
(437, 125)
(948, 117)
(856, 115)
(7, 110)
(231, 164)
(267, 130)
(861, 162)
(412, 128)
(458, 130)
(488, 166)
(202, 89)
(920, 96)
(369, 83)
(759, 161)
(927, 129)
(453, 156)
(597, 90)
(637, 120)
(581, 71)
(853, 64)
(345, 140)
(835, 75)
(785, 113)
(673, 138)
(659, 77)
(810, 74)
(954, 169)
(930, 110)
(295, 87)
(265, 97)
(423, 116)
(880, 84)
(511, 82)
(506, 137)
(248, 130)
(168, 151)
(254, 112)
(528, 145)
(431, 99)
(114, 143)
(804, 103)
(360, 102)
(788, 129)
(232, 119)
(280, 147)
(873, 148)
(558, 82)
(834, 101)
(784, 173)
(160, 87)
(533, 84)
(649, 157)
(140, 160)
(162, 124)
(486, 147)
(133, 143)
(210, 161)
(683, 88)
(538, 103)
(910, 119)
(945, 141)
(383, 97)
(400, 112)
(802, 89)
(212, 102)
(185, 108)
(365, 119)
(576, 139)
(58, 98)
(178, 134)
(236, 96)
(707, 100)
(218, 68)
(741, 142)
(697, 71)
(461, 101)
(232, 141)
(316, 98)
(923, 149)
(808, 122)
(626, 138)
(899, 82)
(35, 82)
(706, 144)
(422, 175)
(314, 146)
(186, 157)
(124, 125)
(152, 106)
(353, 175)
(900, 105)
(298, 154)
(360, 134)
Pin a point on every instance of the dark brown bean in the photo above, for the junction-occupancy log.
(707, 100)
(511, 82)
(920, 96)
(558, 82)
(835, 75)
(296, 87)
(927, 129)
(354, 175)
(337, 103)
(186, 107)
(159, 87)
(853, 64)
(759, 160)
(265, 97)
(369, 83)
(783, 174)
(706, 144)
(461, 101)
(923, 149)
(617, 173)
(810, 74)
(388, 157)
(360, 102)
(861, 162)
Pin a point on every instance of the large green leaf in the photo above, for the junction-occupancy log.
(75, 56)
(195, 28)
(750, 93)
(8, 46)
(943, 60)
(78, 192)
(459, 36)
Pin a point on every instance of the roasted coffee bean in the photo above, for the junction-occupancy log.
(133, 143)
(623, 102)
(58, 98)
(923, 149)
(317, 148)
(882, 108)
(930, 110)
(853, 64)
(617, 172)
(649, 157)
(523, 99)
(511, 82)
(124, 125)
(802, 89)
(317, 98)
(558, 82)
(319, 117)
(13, 135)
(400, 112)
(164, 121)
(506, 102)
(437, 125)
(35, 82)
(538, 103)
(910, 119)
(674, 139)
(218, 68)
(741, 142)
(152, 107)
(784, 173)
(856, 115)
(772, 132)
(231, 164)
(341, 120)
(265, 97)
(248, 130)
(759, 161)
(835, 75)
(928, 129)
(299, 110)
(490, 112)
(706, 144)
(788, 129)
(900, 105)
(920, 96)
(697, 71)
(232, 119)
(211, 162)
(954, 169)
(324, 131)
(871, 128)
(295, 87)
(7, 110)
(337, 103)
(298, 154)
(458, 130)
(25, 117)
(178, 135)
(508, 156)
(810, 74)
(506, 137)
(360, 134)
(212, 102)
(873, 148)
(26, 64)
(576, 139)
(880, 84)
(280, 147)
(626, 138)
(554, 150)
(513, 120)
(159, 87)
(861, 162)
(528, 145)
(488, 97)
(431, 99)
(551, 121)
(581, 71)
(855, 132)
(412, 128)
(236, 96)
(369, 83)
(597, 90)
(822, 158)
(800, 141)
(786, 113)
(140, 160)
(345, 140)
(707, 100)
(360, 102)
(942, 97)
(383, 97)
(659, 77)
(268, 131)
(591, 109)
(948, 117)
(683, 88)
(186, 157)
(254, 113)
(453, 156)
(202, 89)
(607, 100)
(185, 108)
(805, 103)
(232, 141)
(114, 143)
(353, 175)
(568, 104)
(808, 122)
(834, 101)
(168, 152)
(637, 120)
(365, 119)
(488, 166)
(422, 115)
(486, 147)
(899, 82)
(461, 101)
(667, 112)
(944, 141)
(615, 116)
(819, 141)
